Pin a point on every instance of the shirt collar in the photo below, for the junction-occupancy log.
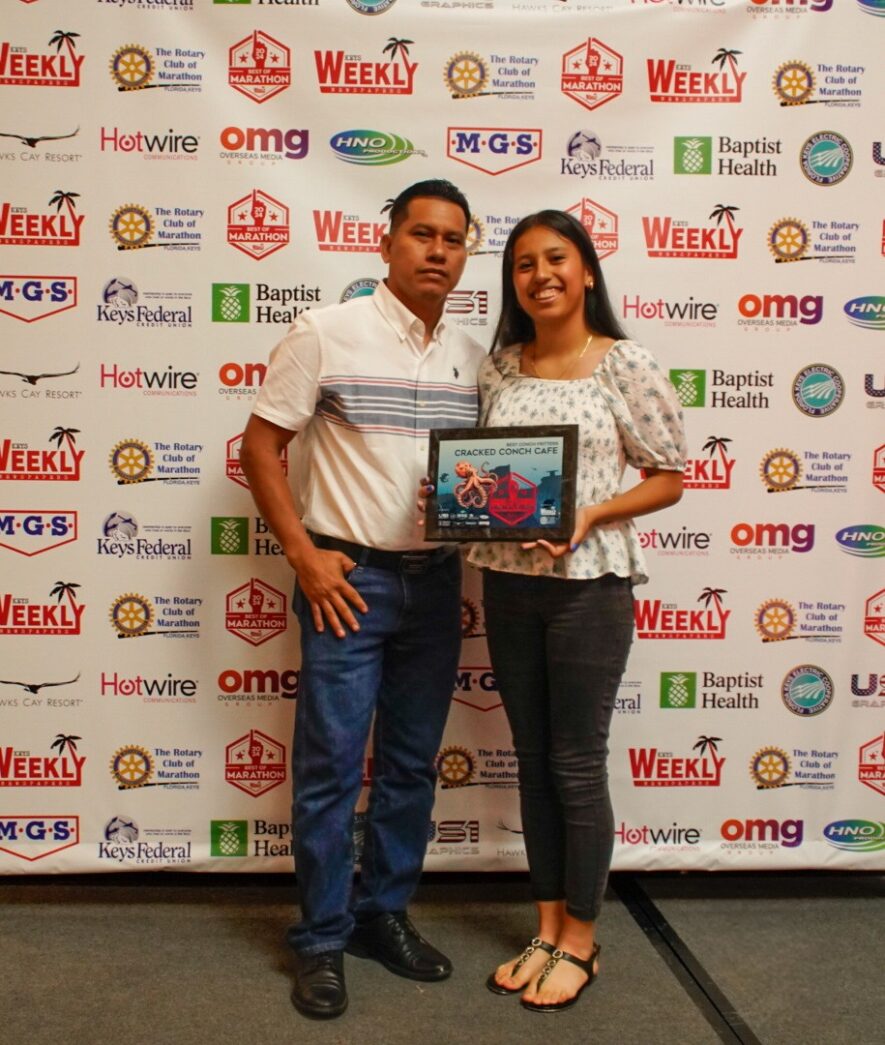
(404, 322)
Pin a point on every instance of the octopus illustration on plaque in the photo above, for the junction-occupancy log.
(477, 486)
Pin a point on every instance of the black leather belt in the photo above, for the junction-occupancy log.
(377, 558)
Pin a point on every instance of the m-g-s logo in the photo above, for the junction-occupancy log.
(34, 531)
(494, 150)
(29, 298)
(33, 837)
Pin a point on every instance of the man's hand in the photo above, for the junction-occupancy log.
(322, 577)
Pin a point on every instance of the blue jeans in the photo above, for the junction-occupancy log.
(400, 668)
(558, 649)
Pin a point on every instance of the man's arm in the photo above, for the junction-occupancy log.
(321, 574)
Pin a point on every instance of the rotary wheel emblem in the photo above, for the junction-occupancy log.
(475, 233)
(132, 226)
(131, 461)
(455, 766)
(466, 74)
(775, 620)
(780, 470)
(793, 83)
(131, 615)
(788, 240)
(132, 67)
(132, 766)
(770, 767)
(469, 618)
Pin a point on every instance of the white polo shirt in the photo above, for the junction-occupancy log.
(355, 381)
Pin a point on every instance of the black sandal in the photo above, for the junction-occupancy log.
(564, 956)
(537, 944)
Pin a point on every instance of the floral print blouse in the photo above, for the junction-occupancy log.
(627, 413)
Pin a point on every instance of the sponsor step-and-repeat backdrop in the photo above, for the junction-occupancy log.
(182, 178)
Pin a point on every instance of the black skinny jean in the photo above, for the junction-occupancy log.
(558, 650)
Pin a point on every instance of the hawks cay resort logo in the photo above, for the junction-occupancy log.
(135, 616)
(666, 237)
(791, 239)
(124, 303)
(29, 298)
(656, 619)
(32, 698)
(811, 768)
(494, 150)
(839, 84)
(783, 470)
(672, 81)
(31, 154)
(592, 73)
(133, 766)
(679, 690)
(30, 379)
(714, 471)
(21, 227)
(127, 844)
(651, 767)
(134, 460)
(339, 72)
(258, 225)
(728, 389)
(814, 620)
(33, 531)
(826, 158)
(509, 77)
(31, 837)
(818, 390)
(19, 615)
(133, 226)
(259, 66)
(169, 145)
(263, 146)
(583, 157)
(24, 768)
(122, 537)
(134, 67)
(59, 67)
(19, 462)
(743, 157)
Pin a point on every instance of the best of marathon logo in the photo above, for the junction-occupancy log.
(600, 223)
(592, 74)
(61, 68)
(255, 763)
(134, 460)
(650, 767)
(234, 470)
(20, 616)
(661, 620)
(669, 81)
(120, 539)
(134, 67)
(255, 612)
(122, 303)
(21, 228)
(33, 837)
(341, 73)
(470, 75)
(494, 150)
(669, 238)
(62, 769)
(258, 225)
(259, 66)
(19, 462)
(134, 616)
(30, 298)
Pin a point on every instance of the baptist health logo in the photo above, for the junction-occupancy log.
(229, 838)
(230, 302)
(679, 689)
(692, 155)
(691, 386)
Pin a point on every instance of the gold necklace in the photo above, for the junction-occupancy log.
(569, 367)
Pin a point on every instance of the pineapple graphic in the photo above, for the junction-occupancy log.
(230, 302)
(692, 156)
(230, 535)
(229, 838)
(678, 689)
(690, 386)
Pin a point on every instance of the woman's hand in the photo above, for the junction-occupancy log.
(425, 489)
(585, 519)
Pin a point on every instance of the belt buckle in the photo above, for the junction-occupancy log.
(415, 562)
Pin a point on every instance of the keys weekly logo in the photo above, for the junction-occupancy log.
(663, 620)
(669, 81)
(666, 238)
(20, 227)
(21, 68)
(341, 73)
(714, 472)
(19, 462)
(651, 767)
(20, 616)
(336, 230)
(24, 769)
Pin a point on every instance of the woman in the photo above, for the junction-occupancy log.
(559, 617)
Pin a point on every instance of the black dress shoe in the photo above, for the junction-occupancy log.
(392, 940)
(319, 985)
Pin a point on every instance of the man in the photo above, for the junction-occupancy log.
(379, 608)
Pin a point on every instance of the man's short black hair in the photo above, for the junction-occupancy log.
(438, 188)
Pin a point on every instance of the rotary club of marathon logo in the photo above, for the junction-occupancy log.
(133, 226)
(777, 620)
(136, 68)
(781, 471)
(470, 75)
(134, 616)
(794, 84)
(259, 66)
(133, 460)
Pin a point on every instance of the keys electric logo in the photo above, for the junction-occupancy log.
(258, 687)
(583, 158)
(21, 228)
(669, 238)
(255, 763)
(486, 767)
(871, 764)
(476, 688)
(714, 473)
(168, 690)
(794, 84)
(470, 75)
(874, 617)
(734, 391)
(264, 146)
(766, 539)
(601, 224)
(133, 226)
(20, 67)
(650, 767)
(134, 616)
(134, 67)
(690, 313)
(664, 620)
(789, 239)
(694, 155)
(127, 844)
(119, 539)
(134, 460)
(815, 620)
(233, 468)
(338, 231)
(826, 158)
(259, 66)
(818, 390)
(807, 690)
(135, 766)
(22, 768)
(762, 835)
(255, 612)
(856, 836)
(34, 837)
(867, 312)
(258, 225)
(33, 531)
(20, 616)
(494, 150)
(777, 313)
(592, 73)
(365, 288)
(172, 145)
(341, 73)
(669, 81)
(30, 298)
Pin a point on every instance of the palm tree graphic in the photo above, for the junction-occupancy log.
(709, 595)
(63, 588)
(704, 742)
(64, 742)
(58, 434)
(724, 210)
(60, 38)
(715, 443)
(61, 198)
(397, 46)
(724, 55)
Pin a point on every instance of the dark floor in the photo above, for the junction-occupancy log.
(687, 960)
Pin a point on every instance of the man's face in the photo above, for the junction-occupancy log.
(426, 253)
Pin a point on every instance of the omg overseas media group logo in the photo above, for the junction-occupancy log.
(256, 687)
(263, 146)
(58, 67)
(179, 70)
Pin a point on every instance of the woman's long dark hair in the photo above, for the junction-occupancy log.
(515, 326)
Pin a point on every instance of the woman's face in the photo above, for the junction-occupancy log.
(549, 275)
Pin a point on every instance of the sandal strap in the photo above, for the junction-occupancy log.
(563, 956)
(537, 944)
